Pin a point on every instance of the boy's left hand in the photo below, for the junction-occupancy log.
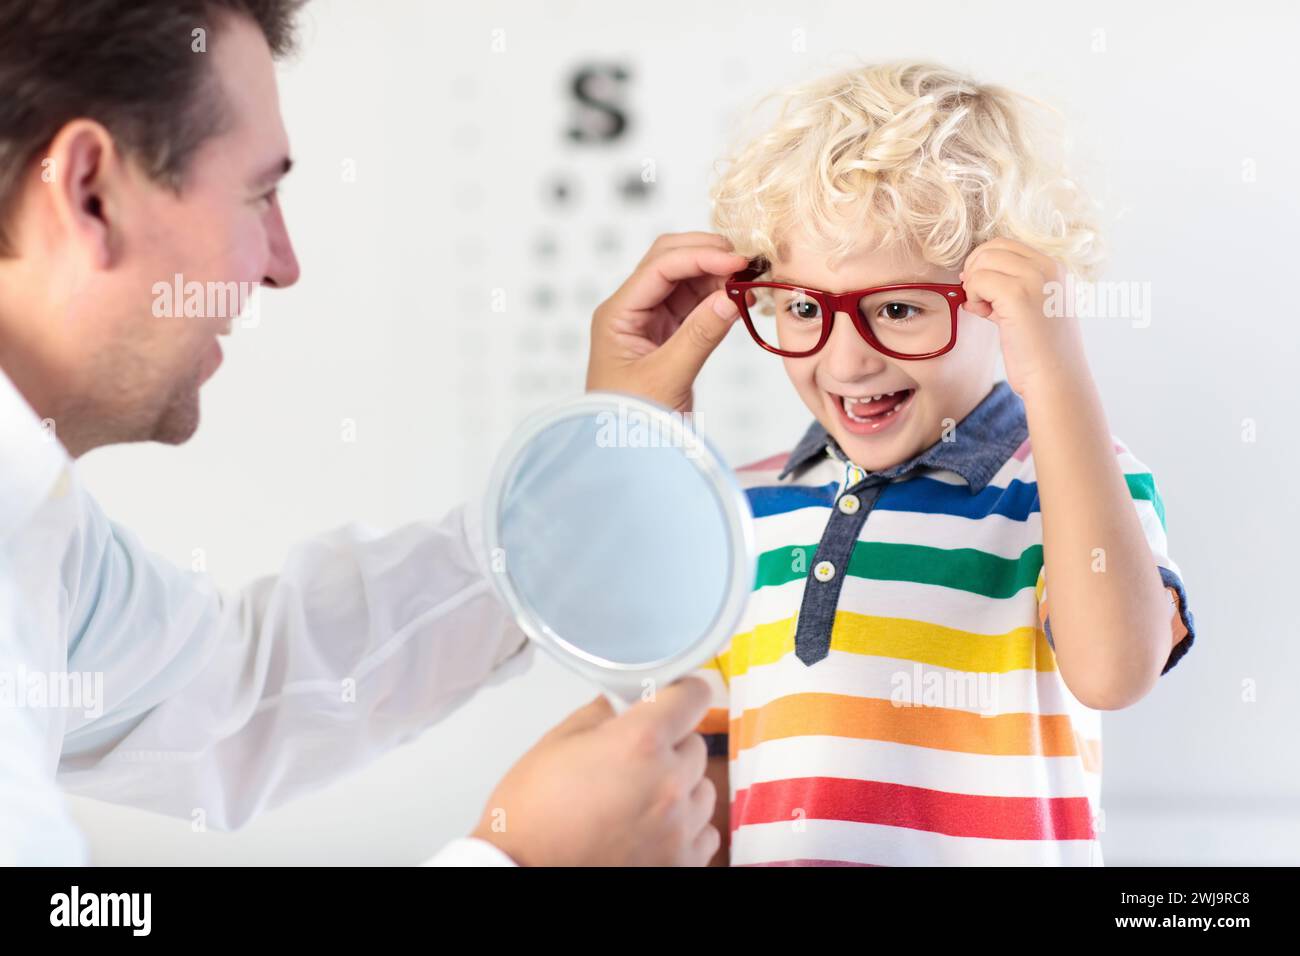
(1004, 282)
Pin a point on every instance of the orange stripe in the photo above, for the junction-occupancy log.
(1090, 753)
(716, 721)
(872, 718)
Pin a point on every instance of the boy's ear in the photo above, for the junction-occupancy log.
(82, 171)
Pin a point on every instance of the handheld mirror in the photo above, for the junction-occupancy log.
(620, 540)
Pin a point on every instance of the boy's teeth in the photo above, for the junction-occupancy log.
(850, 403)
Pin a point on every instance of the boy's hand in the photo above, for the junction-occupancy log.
(652, 336)
(1004, 282)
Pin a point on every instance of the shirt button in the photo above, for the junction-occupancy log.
(849, 504)
(824, 571)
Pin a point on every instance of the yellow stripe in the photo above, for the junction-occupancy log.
(1022, 648)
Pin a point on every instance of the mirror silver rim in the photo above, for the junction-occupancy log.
(627, 679)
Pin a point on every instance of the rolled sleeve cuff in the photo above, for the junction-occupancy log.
(470, 851)
(1182, 623)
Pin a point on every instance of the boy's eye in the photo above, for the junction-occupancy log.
(804, 308)
(898, 311)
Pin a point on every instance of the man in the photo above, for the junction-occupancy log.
(140, 140)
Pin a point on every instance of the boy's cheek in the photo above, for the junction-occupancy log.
(803, 377)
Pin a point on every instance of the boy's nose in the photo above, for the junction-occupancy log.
(846, 356)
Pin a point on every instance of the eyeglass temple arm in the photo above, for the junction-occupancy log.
(751, 272)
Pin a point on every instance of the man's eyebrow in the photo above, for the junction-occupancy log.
(275, 172)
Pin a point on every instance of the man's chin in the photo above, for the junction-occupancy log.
(179, 421)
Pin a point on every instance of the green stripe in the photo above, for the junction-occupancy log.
(1143, 488)
(963, 569)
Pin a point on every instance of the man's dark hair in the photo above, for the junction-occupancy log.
(131, 65)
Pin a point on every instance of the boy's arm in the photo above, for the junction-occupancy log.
(1111, 628)
(1110, 621)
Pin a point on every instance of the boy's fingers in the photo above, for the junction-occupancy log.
(674, 240)
(1013, 248)
(651, 284)
(974, 303)
(1003, 261)
(700, 333)
(689, 294)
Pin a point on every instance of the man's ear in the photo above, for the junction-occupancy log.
(83, 172)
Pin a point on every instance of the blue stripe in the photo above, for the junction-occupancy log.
(778, 499)
(1017, 501)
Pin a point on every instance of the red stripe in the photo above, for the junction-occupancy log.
(807, 863)
(767, 464)
(894, 805)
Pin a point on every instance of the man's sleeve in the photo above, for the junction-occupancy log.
(35, 828)
(217, 707)
(1151, 511)
(470, 851)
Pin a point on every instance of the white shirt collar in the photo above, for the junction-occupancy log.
(32, 459)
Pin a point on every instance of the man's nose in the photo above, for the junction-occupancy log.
(282, 269)
(847, 356)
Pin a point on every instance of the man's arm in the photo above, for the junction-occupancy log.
(223, 706)
(35, 828)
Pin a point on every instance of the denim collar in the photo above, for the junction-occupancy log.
(982, 442)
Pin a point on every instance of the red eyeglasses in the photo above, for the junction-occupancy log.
(905, 321)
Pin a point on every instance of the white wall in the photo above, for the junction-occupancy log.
(1185, 129)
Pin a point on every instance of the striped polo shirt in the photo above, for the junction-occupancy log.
(892, 696)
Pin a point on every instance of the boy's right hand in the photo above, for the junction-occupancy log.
(652, 336)
(600, 790)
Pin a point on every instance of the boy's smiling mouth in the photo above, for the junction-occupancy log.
(868, 414)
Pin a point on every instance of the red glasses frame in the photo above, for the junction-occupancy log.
(832, 303)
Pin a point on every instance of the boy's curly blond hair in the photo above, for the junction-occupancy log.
(905, 153)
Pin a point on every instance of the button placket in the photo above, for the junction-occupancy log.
(821, 595)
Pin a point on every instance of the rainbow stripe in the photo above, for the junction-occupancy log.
(937, 729)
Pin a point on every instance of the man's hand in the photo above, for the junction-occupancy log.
(600, 790)
(652, 336)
